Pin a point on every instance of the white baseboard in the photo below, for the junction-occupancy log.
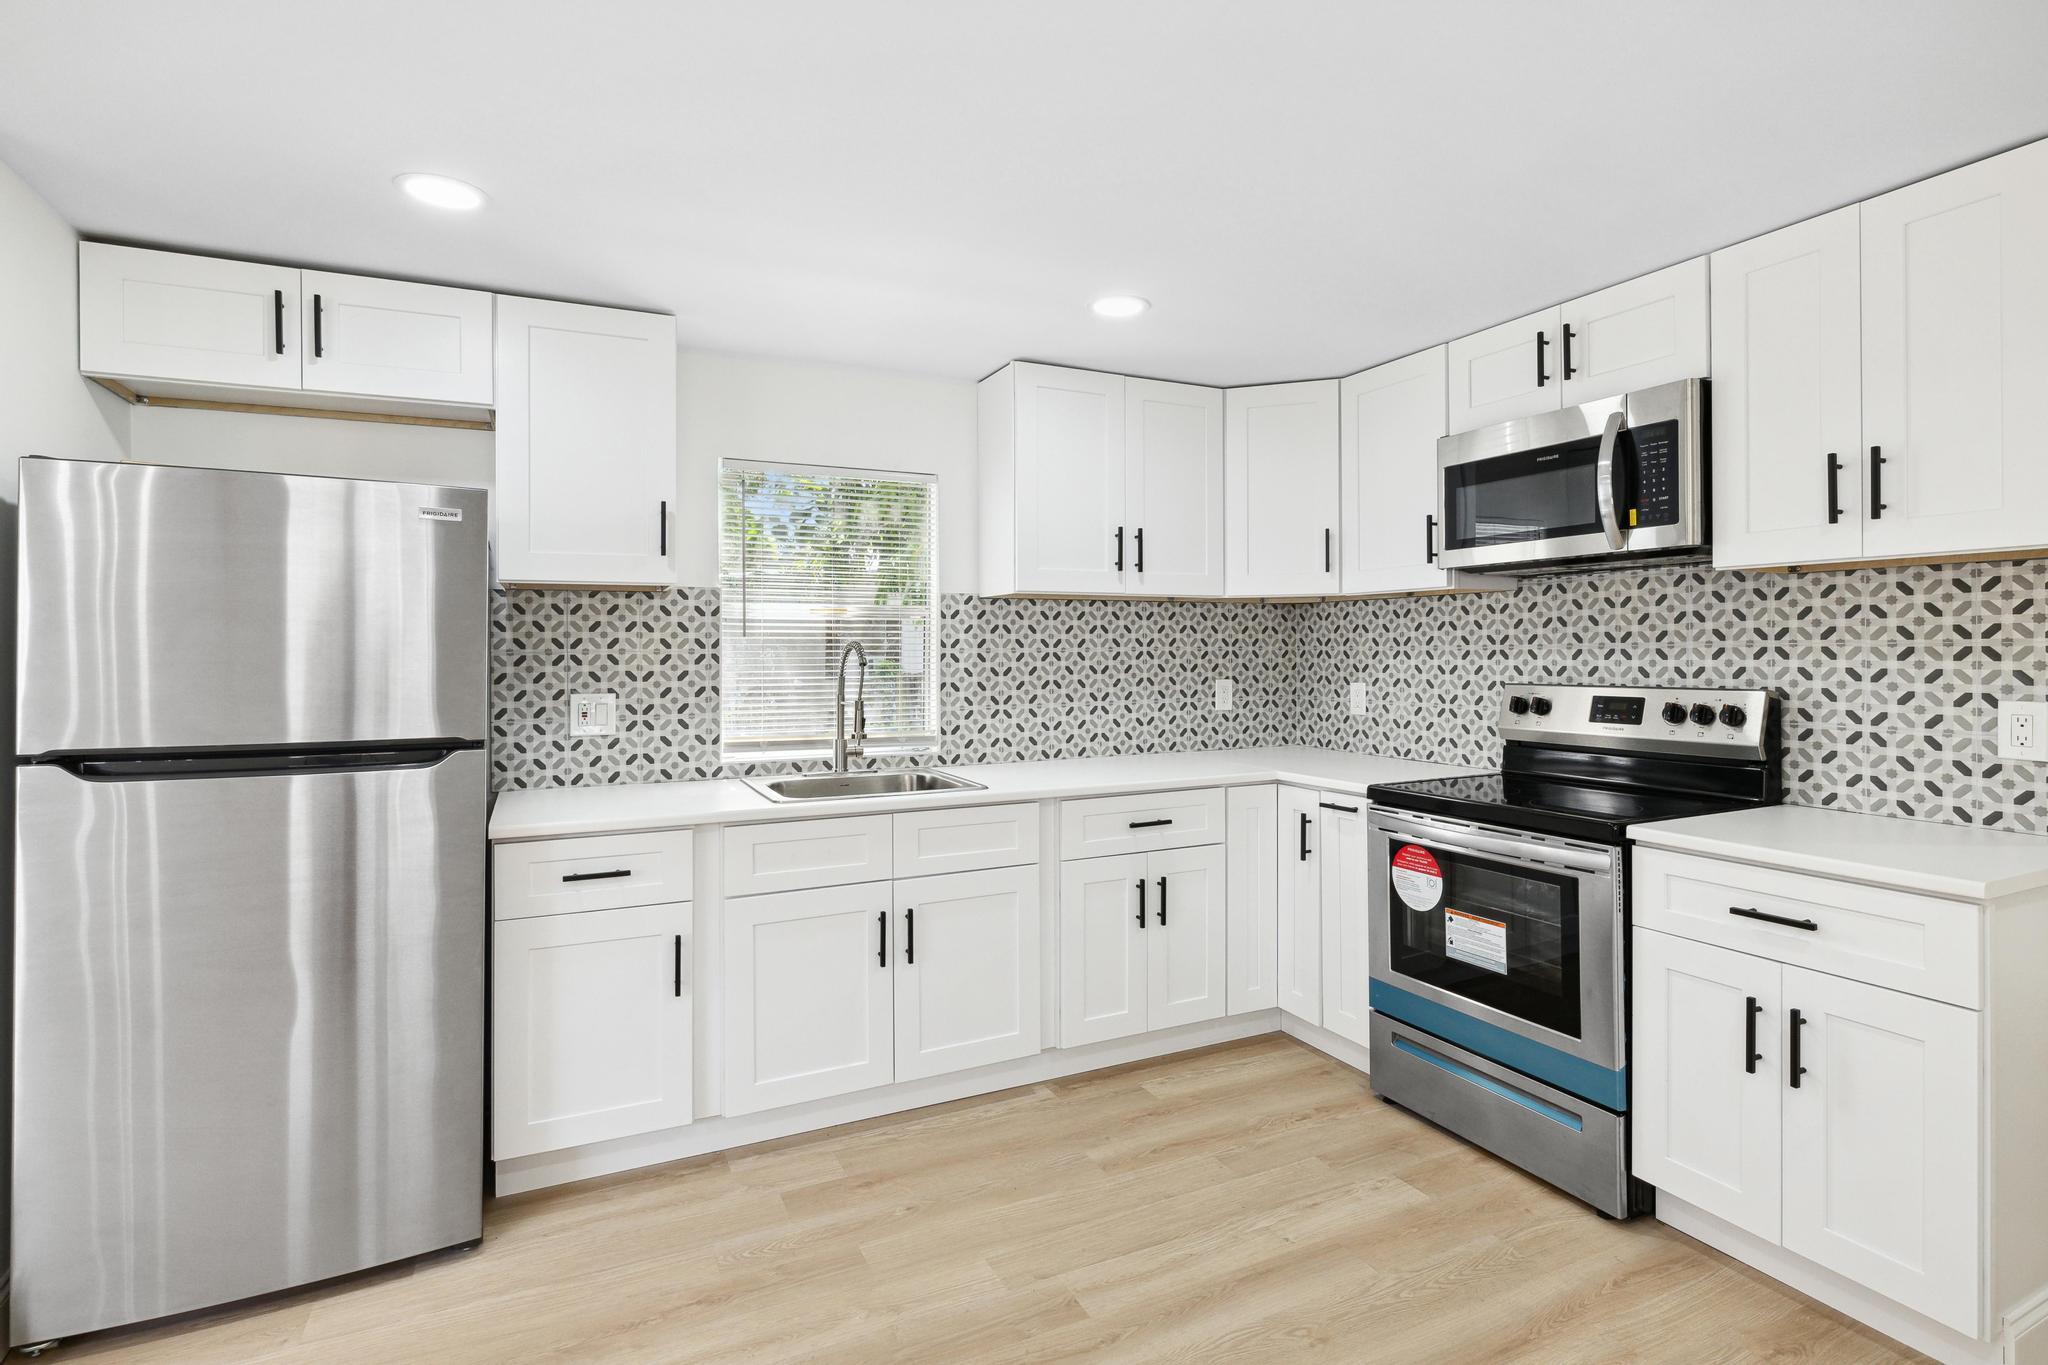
(1321, 1039)
(717, 1134)
(1896, 1321)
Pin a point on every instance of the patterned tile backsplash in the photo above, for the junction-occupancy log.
(1892, 677)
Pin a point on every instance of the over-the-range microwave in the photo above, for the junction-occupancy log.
(1617, 479)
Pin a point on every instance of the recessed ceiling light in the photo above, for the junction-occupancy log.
(442, 191)
(1121, 306)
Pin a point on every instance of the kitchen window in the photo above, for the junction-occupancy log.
(811, 559)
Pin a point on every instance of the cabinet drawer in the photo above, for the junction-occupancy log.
(598, 872)
(797, 854)
(1102, 825)
(1919, 944)
(966, 840)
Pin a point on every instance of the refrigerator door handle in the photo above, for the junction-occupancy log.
(170, 767)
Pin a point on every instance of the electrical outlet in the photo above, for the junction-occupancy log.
(593, 713)
(1361, 698)
(1226, 694)
(2023, 730)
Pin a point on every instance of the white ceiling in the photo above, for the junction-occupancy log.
(1301, 188)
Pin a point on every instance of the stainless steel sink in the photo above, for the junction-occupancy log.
(847, 786)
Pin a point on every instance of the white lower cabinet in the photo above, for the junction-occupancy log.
(1346, 918)
(1185, 982)
(966, 970)
(1142, 940)
(1252, 892)
(590, 1024)
(808, 1009)
(1299, 933)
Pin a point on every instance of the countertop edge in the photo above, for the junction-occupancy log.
(1894, 878)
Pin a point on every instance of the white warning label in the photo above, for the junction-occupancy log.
(1476, 939)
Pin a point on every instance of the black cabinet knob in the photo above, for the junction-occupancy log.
(1539, 706)
(1734, 715)
(1702, 714)
(1518, 706)
(1674, 713)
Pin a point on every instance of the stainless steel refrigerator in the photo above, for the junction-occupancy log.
(249, 900)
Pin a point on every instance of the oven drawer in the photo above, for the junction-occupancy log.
(1098, 826)
(1919, 944)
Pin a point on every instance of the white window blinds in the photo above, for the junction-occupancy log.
(809, 560)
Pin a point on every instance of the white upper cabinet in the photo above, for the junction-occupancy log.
(1648, 331)
(1280, 488)
(1788, 396)
(1504, 372)
(1097, 485)
(1392, 417)
(146, 315)
(586, 444)
(395, 339)
(1173, 488)
(1955, 344)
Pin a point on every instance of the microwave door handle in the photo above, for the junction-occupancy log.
(1603, 476)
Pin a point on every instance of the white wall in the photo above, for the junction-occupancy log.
(311, 445)
(752, 408)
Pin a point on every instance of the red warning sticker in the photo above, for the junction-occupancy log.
(1418, 880)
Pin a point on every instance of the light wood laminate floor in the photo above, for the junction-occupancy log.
(1252, 1201)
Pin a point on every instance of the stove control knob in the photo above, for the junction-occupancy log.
(1734, 715)
(1518, 705)
(1539, 706)
(1702, 714)
(1674, 713)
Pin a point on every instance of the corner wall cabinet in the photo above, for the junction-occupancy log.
(1282, 533)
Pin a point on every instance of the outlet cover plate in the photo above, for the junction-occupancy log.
(2023, 730)
(1361, 698)
(1226, 694)
(593, 713)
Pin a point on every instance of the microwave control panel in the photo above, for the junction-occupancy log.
(1656, 468)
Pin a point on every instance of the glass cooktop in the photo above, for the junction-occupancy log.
(1600, 813)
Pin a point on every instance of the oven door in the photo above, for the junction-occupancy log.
(1519, 932)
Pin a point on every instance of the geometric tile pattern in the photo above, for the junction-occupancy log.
(1892, 678)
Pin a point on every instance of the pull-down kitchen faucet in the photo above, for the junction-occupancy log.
(841, 748)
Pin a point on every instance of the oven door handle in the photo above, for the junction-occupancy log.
(1538, 855)
(1603, 478)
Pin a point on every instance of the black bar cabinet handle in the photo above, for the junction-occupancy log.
(1429, 539)
(1767, 917)
(910, 936)
(1793, 1068)
(1750, 1056)
(1141, 902)
(1119, 549)
(1149, 824)
(664, 527)
(1140, 553)
(1569, 368)
(319, 347)
(1542, 344)
(679, 966)
(1162, 902)
(1877, 503)
(881, 938)
(597, 876)
(277, 316)
(1834, 488)
(1331, 805)
(1304, 836)
(1326, 549)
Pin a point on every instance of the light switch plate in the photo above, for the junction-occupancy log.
(1226, 694)
(593, 713)
(2023, 730)
(1361, 698)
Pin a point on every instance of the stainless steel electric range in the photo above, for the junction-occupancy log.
(1500, 919)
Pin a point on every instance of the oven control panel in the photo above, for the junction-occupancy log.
(1735, 722)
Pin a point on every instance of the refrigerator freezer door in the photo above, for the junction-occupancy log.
(250, 1034)
(189, 608)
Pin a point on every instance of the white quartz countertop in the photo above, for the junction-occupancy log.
(552, 812)
(1959, 861)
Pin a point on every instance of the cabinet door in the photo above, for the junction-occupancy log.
(1705, 1105)
(1392, 417)
(1300, 934)
(395, 339)
(1185, 942)
(586, 444)
(1788, 396)
(1955, 341)
(1252, 872)
(1173, 488)
(1346, 874)
(1504, 372)
(967, 986)
(590, 1027)
(1881, 1139)
(195, 319)
(1069, 480)
(1102, 948)
(1648, 331)
(1280, 489)
(807, 995)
